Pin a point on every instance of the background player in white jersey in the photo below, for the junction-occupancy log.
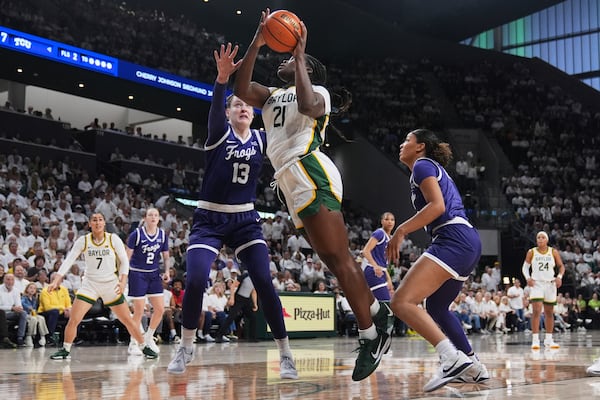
(295, 119)
(145, 245)
(105, 256)
(539, 271)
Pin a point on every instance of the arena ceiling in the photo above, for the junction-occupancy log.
(340, 25)
(453, 20)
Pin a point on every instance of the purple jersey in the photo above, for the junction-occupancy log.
(146, 249)
(378, 284)
(233, 165)
(378, 252)
(424, 168)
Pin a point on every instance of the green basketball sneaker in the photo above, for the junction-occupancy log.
(384, 319)
(369, 355)
(62, 354)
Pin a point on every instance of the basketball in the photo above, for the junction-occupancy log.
(281, 31)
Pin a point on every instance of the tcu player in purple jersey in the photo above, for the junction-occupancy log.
(439, 273)
(144, 248)
(226, 215)
(374, 264)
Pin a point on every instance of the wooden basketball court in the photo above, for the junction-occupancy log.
(248, 371)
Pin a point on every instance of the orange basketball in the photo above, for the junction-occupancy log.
(281, 31)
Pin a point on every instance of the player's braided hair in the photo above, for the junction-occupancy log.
(341, 98)
(318, 74)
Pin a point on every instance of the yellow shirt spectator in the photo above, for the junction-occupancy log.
(57, 299)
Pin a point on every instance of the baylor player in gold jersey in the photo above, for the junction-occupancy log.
(539, 270)
(105, 277)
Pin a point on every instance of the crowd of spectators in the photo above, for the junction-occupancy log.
(552, 140)
(485, 306)
(45, 205)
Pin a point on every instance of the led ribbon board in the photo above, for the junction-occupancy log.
(80, 58)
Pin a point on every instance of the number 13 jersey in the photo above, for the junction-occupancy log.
(232, 168)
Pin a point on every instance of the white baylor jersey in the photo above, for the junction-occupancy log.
(290, 134)
(103, 261)
(542, 265)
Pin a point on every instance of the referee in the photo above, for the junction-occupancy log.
(245, 302)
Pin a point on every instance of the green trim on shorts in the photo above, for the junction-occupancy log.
(323, 194)
(119, 300)
(317, 139)
(540, 300)
(86, 299)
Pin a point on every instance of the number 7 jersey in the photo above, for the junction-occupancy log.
(103, 261)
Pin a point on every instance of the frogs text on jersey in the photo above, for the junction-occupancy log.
(247, 153)
(150, 249)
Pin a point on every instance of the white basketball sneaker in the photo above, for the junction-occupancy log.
(594, 369)
(182, 358)
(451, 367)
(478, 373)
(134, 349)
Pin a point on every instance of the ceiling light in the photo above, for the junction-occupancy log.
(81, 85)
(130, 97)
(19, 70)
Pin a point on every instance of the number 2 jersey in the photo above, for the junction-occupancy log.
(104, 261)
(146, 249)
(542, 265)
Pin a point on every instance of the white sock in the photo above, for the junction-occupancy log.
(375, 307)
(173, 333)
(284, 347)
(548, 337)
(369, 333)
(535, 337)
(150, 333)
(187, 339)
(445, 347)
(67, 346)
